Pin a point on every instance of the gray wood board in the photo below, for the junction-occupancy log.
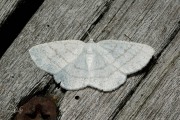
(6, 8)
(14, 14)
(158, 96)
(150, 22)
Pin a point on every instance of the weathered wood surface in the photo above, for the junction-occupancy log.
(14, 15)
(152, 22)
(158, 96)
(6, 8)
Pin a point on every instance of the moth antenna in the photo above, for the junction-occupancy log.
(89, 35)
(127, 37)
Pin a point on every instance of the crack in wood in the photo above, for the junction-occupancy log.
(106, 9)
(148, 69)
(156, 87)
(172, 36)
(17, 19)
(117, 13)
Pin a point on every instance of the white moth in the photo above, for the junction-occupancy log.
(103, 65)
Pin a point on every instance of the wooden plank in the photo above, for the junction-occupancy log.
(14, 14)
(6, 8)
(11, 8)
(151, 22)
(55, 20)
(158, 96)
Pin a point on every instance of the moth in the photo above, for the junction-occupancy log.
(103, 65)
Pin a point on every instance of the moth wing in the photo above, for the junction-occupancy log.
(54, 56)
(128, 57)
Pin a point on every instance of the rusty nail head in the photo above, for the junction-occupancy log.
(38, 108)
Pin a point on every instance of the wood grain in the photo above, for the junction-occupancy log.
(158, 96)
(152, 22)
(14, 15)
(6, 8)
